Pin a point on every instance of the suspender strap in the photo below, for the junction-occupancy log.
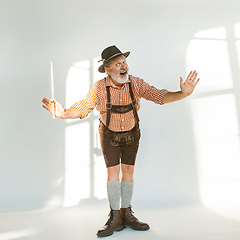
(133, 104)
(108, 106)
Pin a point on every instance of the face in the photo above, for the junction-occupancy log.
(118, 70)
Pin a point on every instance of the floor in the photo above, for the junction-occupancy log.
(82, 222)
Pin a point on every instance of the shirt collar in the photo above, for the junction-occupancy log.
(110, 83)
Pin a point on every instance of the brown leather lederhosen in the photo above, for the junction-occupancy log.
(116, 145)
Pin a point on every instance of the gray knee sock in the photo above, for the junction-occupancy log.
(114, 194)
(126, 194)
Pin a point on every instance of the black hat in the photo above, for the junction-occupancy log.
(110, 53)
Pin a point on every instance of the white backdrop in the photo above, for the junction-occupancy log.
(49, 163)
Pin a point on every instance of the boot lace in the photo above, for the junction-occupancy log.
(131, 216)
(110, 215)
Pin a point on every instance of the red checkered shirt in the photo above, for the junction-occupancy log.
(97, 97)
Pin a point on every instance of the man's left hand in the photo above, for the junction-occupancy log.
(190, 83)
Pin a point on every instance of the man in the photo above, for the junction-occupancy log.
(117, 98)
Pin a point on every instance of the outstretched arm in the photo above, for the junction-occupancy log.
(187, 88)
(60, 111)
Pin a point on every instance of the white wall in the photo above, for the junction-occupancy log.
(158, 33)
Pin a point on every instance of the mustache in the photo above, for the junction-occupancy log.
(124, 70)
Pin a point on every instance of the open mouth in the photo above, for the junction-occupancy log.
(123, 73)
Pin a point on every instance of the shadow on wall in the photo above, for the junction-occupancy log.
(85, 171)
(216, 115)
(215, 53)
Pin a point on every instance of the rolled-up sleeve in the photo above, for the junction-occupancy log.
(86, 105)
(151, 93)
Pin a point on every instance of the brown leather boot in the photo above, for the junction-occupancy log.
(129, 220)
(114, 223)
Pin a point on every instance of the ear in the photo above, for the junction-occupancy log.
(107, 70)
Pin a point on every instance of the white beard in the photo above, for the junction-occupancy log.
(118, 78)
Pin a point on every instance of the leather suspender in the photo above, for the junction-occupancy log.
(133, 104)
(108, 106)
(121, 108)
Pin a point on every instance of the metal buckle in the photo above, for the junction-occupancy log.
(109, 106)
(134, 103)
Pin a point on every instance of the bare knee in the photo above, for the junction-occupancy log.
(113, 173)
(127, 172)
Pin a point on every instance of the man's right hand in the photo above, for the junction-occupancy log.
(51, 104)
